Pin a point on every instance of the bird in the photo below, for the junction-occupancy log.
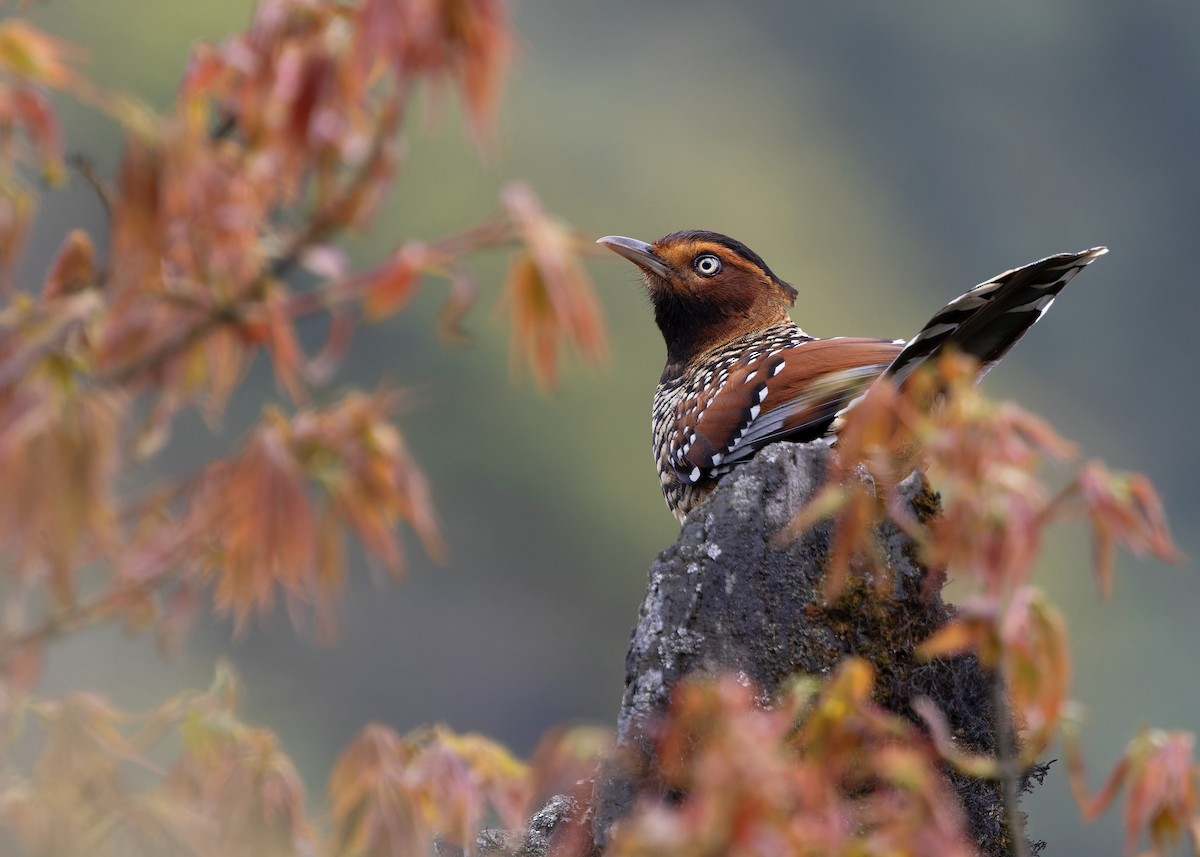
(741, 374)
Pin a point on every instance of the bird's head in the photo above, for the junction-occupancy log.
(706, 288)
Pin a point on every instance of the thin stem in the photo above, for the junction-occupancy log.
(332, 217)
(1054, 508)
(16, 368)
(1006, 764)
(177, 344)
(99, 606)
(492, 233)
(320, 227)
(86, 168)
(163, 496)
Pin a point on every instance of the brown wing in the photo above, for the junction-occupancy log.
(791, 393)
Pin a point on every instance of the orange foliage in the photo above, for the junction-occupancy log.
(59, 453)
(464, 40)
(74, 269)
(393, 795)
(222, 787)
(985, 460)
(281, 138)
(822, 772)
(1027, 646)
(238, 779)
(565, 760)
(277, 514)
(1160, 776)
(547, 290)
(1122, 508)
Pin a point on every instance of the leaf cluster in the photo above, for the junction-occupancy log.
(822, 771)
(224, 214)
(191, 777)
(987, 459)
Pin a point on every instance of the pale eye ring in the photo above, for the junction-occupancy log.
(707, 265)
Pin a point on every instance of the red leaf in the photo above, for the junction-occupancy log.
(258, 513)
(35, 113)
(286, 355)
(371, 811)
(1161, 802)
(391, 285)
(17, 209)
(1123, 508)
(23, 666)
(27, 52)
(466, 40)
(550, 296)
(73, 269)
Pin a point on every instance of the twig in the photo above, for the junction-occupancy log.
(86, 168)
(225, 127)
(1006, 764)
(16, 367)
(329, 220)
(177, 344)
(163, 496)
(492, 233)
(96, 607)
(320, 227)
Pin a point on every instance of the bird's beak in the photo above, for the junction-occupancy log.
(638, 252)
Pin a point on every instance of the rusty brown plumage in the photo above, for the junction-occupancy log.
(741, 374)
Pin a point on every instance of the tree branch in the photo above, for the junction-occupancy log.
(100, 605)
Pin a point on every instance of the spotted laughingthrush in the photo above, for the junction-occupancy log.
(741, 374)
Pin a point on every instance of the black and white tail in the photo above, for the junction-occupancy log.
(988, 320)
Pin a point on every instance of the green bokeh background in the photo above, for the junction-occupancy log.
(883, 157)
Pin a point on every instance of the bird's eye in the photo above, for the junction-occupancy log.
(707, 264)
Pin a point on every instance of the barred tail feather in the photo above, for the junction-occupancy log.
(988, 320)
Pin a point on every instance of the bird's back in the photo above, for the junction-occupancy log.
(728, 402)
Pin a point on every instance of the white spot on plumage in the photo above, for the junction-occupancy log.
(754, 412)
(750, 377)
(716, 459)
(972, 299)
(694, 475)
(777, 369)
(1041, 304)
(762, 395)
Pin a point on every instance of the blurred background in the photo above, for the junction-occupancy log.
(883, 158)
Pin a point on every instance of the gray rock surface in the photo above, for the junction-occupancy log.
(729, 596)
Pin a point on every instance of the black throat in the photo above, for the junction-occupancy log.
(690, 327)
